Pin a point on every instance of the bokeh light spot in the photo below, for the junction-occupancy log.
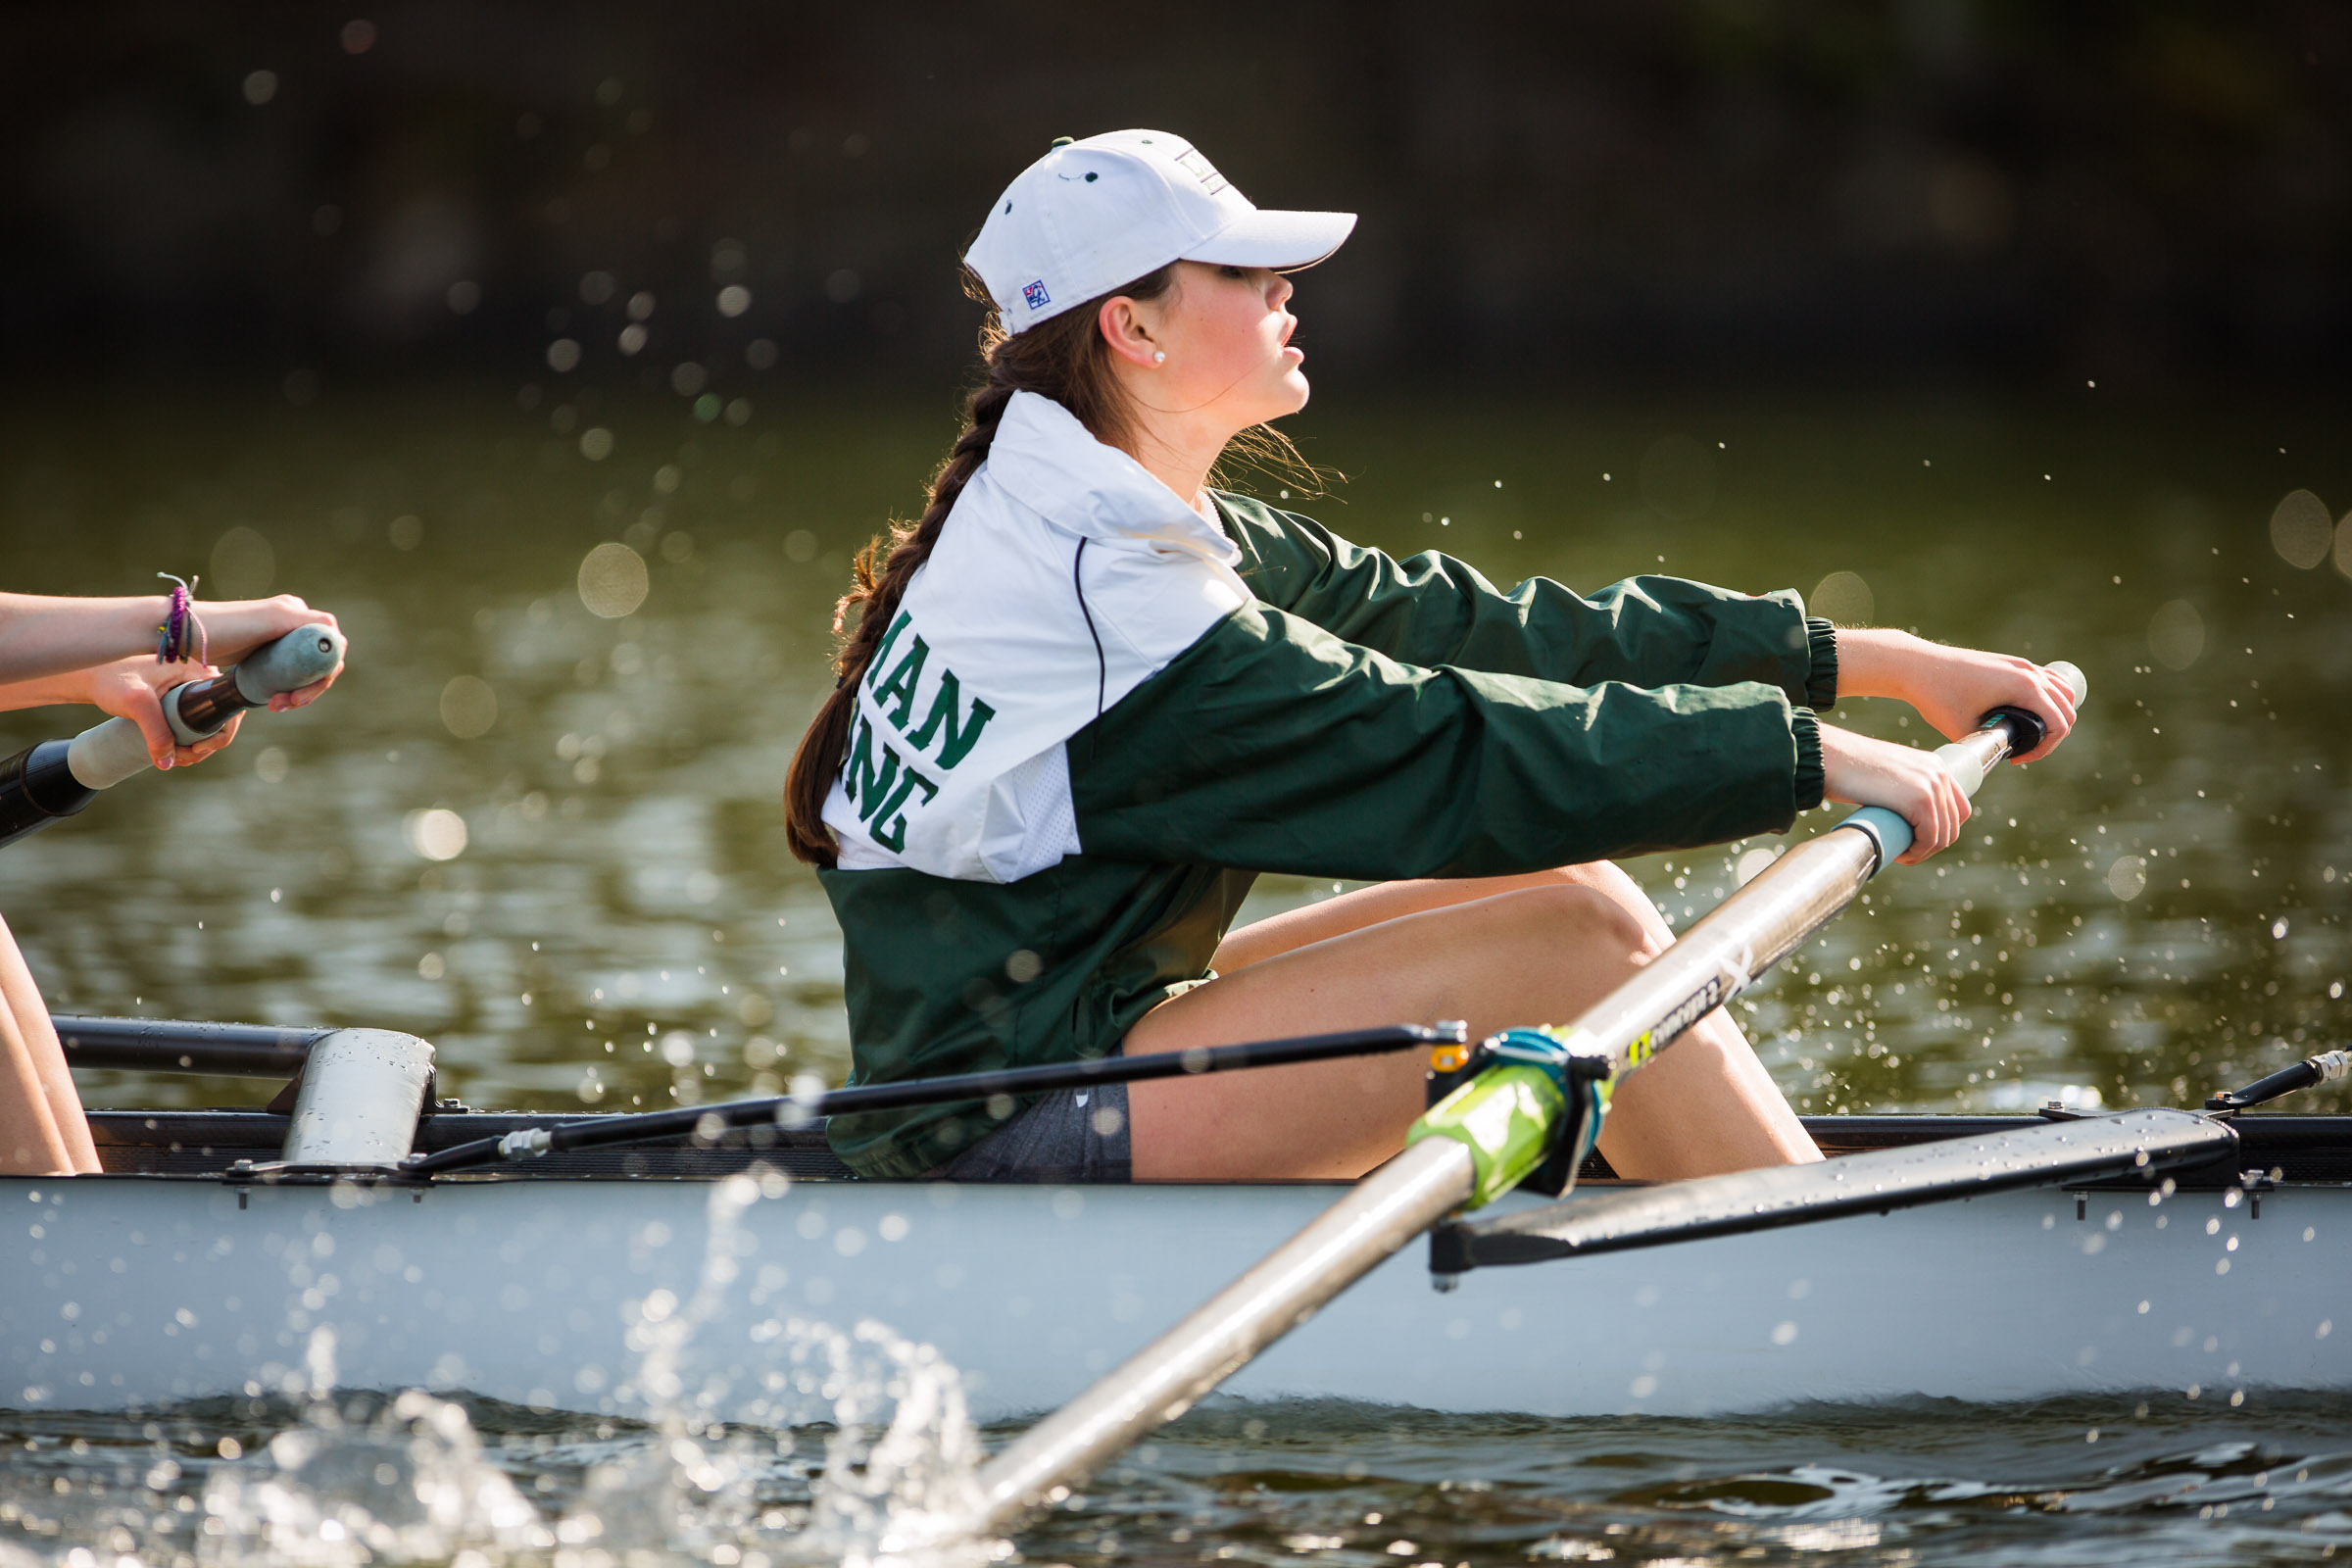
(563, 356)
(1844, 598)
(2127, 878)
(260, 87)
(437, 834)
(734, 300)
(358, 35)
(2301, 530)
(612, 580)
(468, 707)
(596, 443)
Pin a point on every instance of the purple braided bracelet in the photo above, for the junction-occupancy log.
(180, 627)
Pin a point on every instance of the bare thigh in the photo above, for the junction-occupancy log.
(1522, 956)
(1497, 953)
(42, 1128)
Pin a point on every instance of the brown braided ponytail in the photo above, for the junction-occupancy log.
(1063, 357)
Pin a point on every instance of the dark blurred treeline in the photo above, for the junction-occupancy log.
(1646, 190)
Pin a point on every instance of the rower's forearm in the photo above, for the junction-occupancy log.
(1878, 661)
(43, 636)
(45, 691)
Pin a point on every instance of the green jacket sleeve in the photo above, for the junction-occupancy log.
(1272, 745)
(1436, 610)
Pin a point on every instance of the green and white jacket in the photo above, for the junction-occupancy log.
(1097, 716)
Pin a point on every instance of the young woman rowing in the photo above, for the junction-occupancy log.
(88, 651)
(1086, 698)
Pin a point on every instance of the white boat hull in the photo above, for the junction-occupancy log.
(120, 1291)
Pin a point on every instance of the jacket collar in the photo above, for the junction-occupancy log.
(1049, 463)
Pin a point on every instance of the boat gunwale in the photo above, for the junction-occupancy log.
(206, 1144)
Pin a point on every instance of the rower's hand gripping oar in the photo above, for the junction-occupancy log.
(58, 778)
(1537, 1091)
(1544, 1099)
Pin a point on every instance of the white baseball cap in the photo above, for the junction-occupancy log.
(1093, 214)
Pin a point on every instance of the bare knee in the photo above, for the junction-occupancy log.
(1584, 918)
(1609, 879)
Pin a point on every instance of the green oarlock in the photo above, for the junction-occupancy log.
(1505, 1117)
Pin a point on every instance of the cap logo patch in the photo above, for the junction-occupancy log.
(1036, 296)
(1201, 170)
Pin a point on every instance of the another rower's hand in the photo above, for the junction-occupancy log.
(133, 688)
(1953, 688)
(236, 627)
(1905, 780)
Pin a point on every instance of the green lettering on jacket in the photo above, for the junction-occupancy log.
(960, 738)
(860, 780)
(881, 654)
(890, 834)
(883, 791)
(901, 683)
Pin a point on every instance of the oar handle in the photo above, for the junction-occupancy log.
(105, 754)
(2005, 732)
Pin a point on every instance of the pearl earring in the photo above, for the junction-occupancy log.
(1159, 356)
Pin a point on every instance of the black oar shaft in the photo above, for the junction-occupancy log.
(794, 1109)
(2310, 1072)
(171, 1044)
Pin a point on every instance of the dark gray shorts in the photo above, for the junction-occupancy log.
(1072, 1134)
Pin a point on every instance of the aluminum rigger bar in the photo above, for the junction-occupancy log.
(794, 1110)
(1481, 1140)
(2138, 1143)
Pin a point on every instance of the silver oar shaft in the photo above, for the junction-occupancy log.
(1760, 924)
(1386, 1209)
(1763, 922)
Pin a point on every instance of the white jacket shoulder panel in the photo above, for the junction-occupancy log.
(1064, 577)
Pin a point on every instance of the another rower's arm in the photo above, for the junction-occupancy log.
(1436, 610)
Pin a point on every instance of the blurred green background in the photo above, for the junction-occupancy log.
(568, 355)
(538, 821)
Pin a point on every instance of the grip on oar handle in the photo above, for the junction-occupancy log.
(105, 754)
(301, 656)
(2023, 731)
(2026, 730)
(286, 664)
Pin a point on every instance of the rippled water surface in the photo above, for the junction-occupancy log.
(548, 839)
